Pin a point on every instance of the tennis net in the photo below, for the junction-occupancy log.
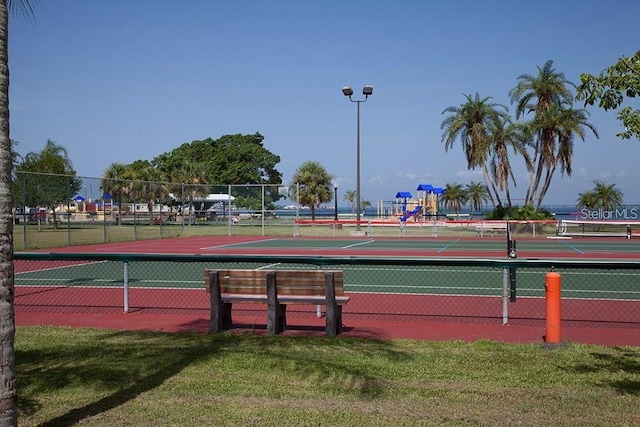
(592, 228)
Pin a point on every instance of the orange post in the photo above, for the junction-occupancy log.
(552, 294)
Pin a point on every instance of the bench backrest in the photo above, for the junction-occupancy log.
(289, 282)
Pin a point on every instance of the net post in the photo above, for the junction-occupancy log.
(511, 254)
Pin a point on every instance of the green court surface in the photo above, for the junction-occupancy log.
(481, 248)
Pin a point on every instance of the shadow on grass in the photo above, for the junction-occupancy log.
(123, 365)
(618, 360)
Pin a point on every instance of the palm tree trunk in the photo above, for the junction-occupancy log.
(488, 182)
(536, 161)
(545, 186)
(8, 389)
(531, 195)
(508, 195)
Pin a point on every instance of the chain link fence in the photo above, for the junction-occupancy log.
(58, 210)
(594, 294)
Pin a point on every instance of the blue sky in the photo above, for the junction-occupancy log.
(119, 81)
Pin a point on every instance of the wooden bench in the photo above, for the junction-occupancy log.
(276, 289)
(491, 227)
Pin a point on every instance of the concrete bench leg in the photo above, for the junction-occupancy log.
(333, 325)
(276, 312)
(220, 316)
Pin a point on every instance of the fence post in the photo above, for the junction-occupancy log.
(126, 286)
(505, 296)
(553, 287)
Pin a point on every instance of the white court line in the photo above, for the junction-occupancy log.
(269, 266)
(366, 242)
(233, 245)
(60, 267)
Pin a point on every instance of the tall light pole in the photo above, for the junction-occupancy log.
(367, 91)
(335, 207)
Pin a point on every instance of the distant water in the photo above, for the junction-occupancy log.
(559, 211)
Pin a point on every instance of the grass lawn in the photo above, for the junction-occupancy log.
(107, 378)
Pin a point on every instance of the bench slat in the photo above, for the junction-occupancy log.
(290, 282)
(286, 299)
(318, 287)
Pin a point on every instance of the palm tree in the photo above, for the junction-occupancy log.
(507, 135)
(117, 181)
(350, 196)
(454, 197)
(53, 180)
(548, 97)
(191, 176)
(607, 196)
(364, 204)
(477, 195)
(8, 389)
(588, 200)
(471, 123)
(570, 123)
(312, 185)
(150, 188)
(603, 195)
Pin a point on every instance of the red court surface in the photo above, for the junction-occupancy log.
(429, 331)
(375, 329)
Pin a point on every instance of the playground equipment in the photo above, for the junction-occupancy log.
(404, 201)
(426, 203)
(409, 214)
(428, 195)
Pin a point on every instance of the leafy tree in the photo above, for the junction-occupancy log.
(554, 125)
(51, 179)
(231, 159)
(312, 185)
(470, 123)
(526, 212)
(610, 88)
(350, 196)
(8, 389)
(454, 197)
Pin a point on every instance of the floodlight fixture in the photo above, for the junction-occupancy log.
(367, 90)
(347, 91)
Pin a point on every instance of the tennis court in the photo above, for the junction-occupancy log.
(409, 279)
(423, 247)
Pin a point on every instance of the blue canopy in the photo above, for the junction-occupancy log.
(425, 187)
(403, 194)
(437, 190)
(78, 198)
